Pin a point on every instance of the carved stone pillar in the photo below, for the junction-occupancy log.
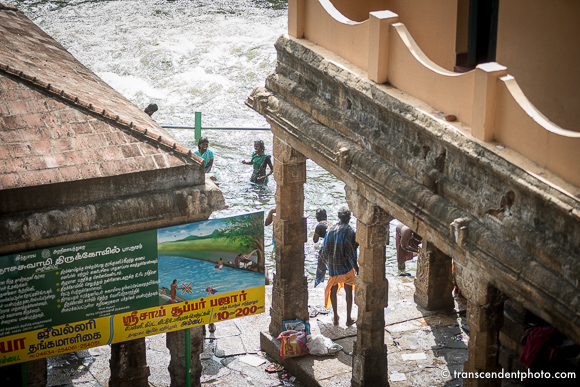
(36, 373)
(175, 342)
(484, 310)
(128, 364)
(369, 363)
(485, 318)
(433, 284)
(290, 286)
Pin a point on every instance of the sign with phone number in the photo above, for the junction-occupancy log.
(128, 326)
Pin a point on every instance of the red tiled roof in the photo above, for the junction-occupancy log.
(59, 122)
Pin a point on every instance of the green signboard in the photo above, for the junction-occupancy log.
(65, 298)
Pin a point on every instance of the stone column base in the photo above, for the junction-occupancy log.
(129, 364)
(176, 345)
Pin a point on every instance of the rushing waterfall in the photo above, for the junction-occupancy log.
(195, 56)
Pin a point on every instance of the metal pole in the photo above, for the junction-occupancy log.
(187, 358)
(210, 128)
(23, 374)
(197, 125)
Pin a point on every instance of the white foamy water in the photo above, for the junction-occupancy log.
(188, 56)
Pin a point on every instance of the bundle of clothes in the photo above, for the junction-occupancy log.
(546, 349)
(296, 340)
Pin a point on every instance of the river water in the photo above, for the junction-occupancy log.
(196, 56)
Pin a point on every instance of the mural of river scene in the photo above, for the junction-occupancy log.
(202, 278)
(211, 257)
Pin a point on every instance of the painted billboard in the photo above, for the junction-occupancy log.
(73, 297)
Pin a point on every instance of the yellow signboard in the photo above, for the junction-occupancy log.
(128, 326)
(188, 314)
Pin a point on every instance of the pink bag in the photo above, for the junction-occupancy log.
(293, 344)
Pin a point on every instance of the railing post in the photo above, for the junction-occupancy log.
(197, 125)
(296, 18)
(484, 100)
(379, 44)
(23, 374)
(188, 357)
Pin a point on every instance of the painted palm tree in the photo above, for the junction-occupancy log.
(247, 231)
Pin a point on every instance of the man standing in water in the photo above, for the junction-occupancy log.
(407, 244)
(323, 224)
(339, 253)
(152, 108)
(319, 234)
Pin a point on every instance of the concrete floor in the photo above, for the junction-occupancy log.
(424, 349)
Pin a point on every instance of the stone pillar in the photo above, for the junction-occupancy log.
(290, 285)
(510, 334)
(36, 374)
(128, 364)
(369, 362)
(485, 97)
(378, 59)
(433, 284)
(485, 318)
(175, 342)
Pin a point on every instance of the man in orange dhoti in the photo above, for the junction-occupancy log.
(339, 253)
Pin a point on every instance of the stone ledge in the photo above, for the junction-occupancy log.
(24, 231)
(82, 192)
(311, 371)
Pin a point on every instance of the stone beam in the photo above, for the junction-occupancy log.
(96, 190)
